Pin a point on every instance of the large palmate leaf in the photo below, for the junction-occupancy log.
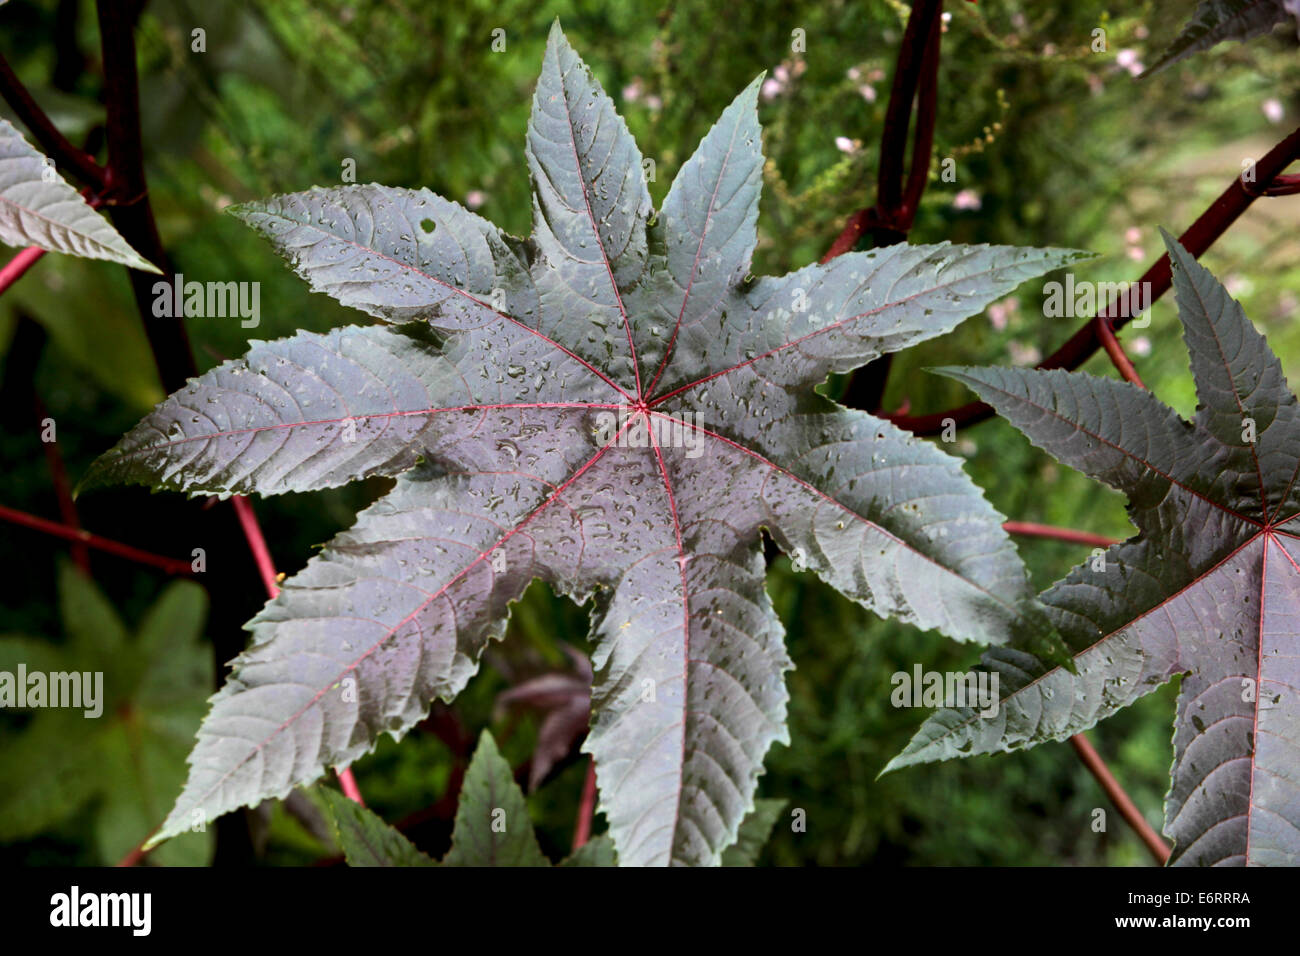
(38, 208)
(610, 406)
(1215, 21)
(1209, 589)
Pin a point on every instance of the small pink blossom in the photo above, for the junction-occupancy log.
(868, 92)
(1128, 60)
(967, 199)
(1141, 346)
(1273, 109)
(1001, 312)
(475, 198)
(1023, 354)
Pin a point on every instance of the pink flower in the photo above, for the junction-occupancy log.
(1001, 312)
(868, 92)
(475, 198)
(845, 145)
(771, 88)
(1273, 109)
(1128, 60)
(1022, 354)
(967, 199)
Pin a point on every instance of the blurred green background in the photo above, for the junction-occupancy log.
(1054, 145)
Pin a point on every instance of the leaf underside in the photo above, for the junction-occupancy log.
(609, 406)
(1209, 588)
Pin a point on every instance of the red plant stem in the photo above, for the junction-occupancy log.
(170, 565)
(921, 23)
(1202, 234)
(1283, 186)
(17, 267)
(46, 134)
(1097, 767)
(131, 212)
(858, 223)
(135, 856)
(59, 478)
(926, 112)
(1118, 357)
(918, 62)
(256, 544)
(1030, 529)
(349, 784)
(586, 808)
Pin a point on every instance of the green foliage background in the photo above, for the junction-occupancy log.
(1057, 144)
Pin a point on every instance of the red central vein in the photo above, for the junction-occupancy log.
(600, 244)
(686, 610)
(839, 504)
(803, 338)
(477, 301)
(695, 266)
(1124, 451)
(1076, 655)
(1236, 396)
(1259, 688)
(1285, 495)
(366, 416)
(418, 610)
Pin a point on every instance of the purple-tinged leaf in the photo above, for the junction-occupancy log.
(1215, 21)
(1209, 589)
(608, 406)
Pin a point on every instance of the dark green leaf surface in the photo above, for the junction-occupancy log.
(366, 840)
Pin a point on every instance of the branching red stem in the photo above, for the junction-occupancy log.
(1202, 234)
(47, 136)
(1118, 357)
(1127, 809)
(170, 565)
(1030, 529)
(586, 807)
(17, 267)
